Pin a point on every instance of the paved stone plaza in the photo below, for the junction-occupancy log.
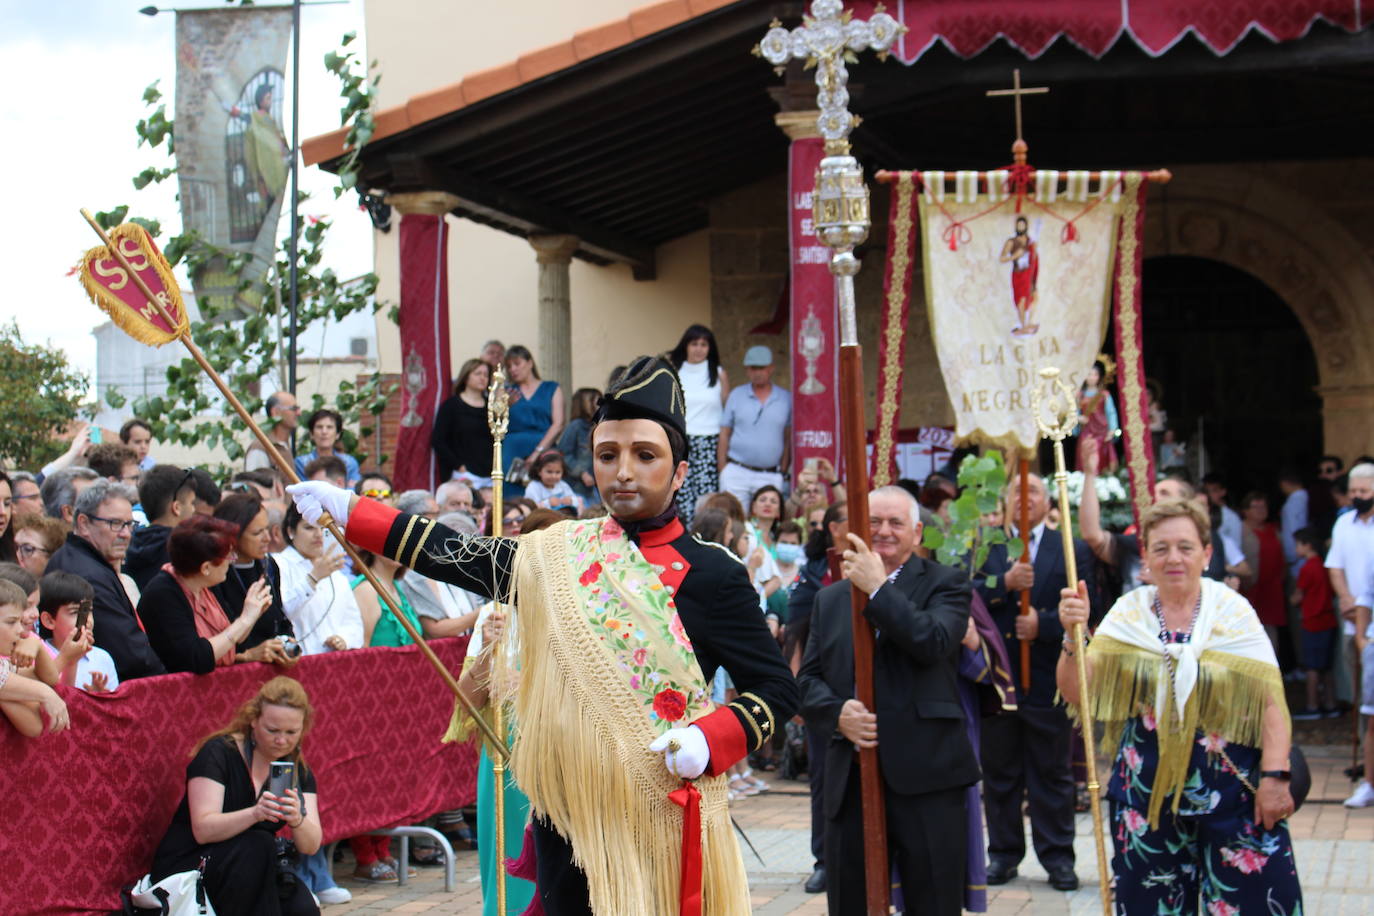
(1335, 847)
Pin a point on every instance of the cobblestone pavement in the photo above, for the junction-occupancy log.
(1334, 848)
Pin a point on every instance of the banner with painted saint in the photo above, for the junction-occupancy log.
(233, 157)
(1016, 282)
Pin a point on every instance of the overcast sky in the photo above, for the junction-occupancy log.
(76, 72)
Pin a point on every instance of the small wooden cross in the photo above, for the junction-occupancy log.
(1016, 92)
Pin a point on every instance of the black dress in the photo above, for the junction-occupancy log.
(240, 872)
(461, 439)
(234, 589)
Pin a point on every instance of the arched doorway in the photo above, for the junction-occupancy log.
(1236, 368)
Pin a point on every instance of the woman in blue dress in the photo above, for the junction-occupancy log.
(536, 414)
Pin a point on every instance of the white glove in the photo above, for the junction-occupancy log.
(315, 497)
(692, 755)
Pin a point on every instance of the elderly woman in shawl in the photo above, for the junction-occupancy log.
(1186, 683)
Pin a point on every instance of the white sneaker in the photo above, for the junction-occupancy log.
(334, 895)
(1362, 797)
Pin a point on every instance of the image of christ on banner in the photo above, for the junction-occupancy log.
(1021, 252)
(1058, 262)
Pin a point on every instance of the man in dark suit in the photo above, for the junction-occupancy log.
(920, 612)
(1028, 752)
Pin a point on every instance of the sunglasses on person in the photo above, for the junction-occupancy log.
(377, 494)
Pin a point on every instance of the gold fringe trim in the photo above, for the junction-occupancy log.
(136, 321)
(1229, 699)
(581, 756)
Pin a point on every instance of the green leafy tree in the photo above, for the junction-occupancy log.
(245, 350)
(40, 395)
(966, 540)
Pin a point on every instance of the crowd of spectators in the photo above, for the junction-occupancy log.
(115, 567)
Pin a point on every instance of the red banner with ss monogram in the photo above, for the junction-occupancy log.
(814, 322)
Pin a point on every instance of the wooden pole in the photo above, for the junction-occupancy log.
(1024, 525)
(877, 878)
(289, 472)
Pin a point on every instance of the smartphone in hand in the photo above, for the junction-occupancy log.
(281, 778)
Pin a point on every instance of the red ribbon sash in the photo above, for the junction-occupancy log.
(689, 799)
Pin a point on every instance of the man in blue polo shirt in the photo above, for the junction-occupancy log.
(755, 446)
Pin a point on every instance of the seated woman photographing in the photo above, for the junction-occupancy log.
(1185, 680)
(228, 819)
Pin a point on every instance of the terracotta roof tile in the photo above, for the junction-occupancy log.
(541, 62)
(486, 83)
(424, 106)
(323, 147)
(700, 7)
(650, 19)
(544, 61)
(590, 42)
(392, 120)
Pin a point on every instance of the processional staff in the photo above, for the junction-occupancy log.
(498, 417)
(136, 244)
(1056, 414)
(829, 37)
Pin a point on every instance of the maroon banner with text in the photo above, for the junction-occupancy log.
(425, 371)
(815, 324)
(84, 810)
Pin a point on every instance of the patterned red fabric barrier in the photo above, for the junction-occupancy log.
(83, 811)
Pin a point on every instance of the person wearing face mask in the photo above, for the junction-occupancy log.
(1350, 565)
(790, 555)
(622, 621)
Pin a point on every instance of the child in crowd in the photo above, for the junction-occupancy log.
(79, 661)
(1320, 635)
(548, 488)
(22, 651)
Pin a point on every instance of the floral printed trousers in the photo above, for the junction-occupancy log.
(1219, 864)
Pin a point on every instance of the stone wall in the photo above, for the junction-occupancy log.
(748, 266)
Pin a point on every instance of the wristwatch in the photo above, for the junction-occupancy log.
(1285, 775)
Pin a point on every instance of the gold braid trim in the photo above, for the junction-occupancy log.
(767, 710)
(1138, 442)
(405, 536)
(581, 756)
(1229, 699)
(890, 372)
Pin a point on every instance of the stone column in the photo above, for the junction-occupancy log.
(554, 254)
(426, 374)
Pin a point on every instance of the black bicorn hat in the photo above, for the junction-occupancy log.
(649, 389)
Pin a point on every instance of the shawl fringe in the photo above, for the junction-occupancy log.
(1230, 699)
(581, 756)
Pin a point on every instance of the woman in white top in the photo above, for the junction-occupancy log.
(316, 595)
(705, 387)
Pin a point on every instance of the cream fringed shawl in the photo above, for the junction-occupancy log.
(1224, 678)
(601, 650)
